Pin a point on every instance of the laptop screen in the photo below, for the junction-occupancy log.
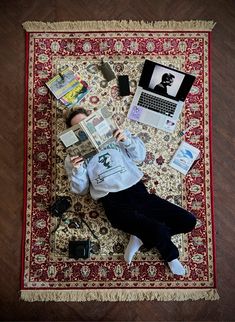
(165, 81)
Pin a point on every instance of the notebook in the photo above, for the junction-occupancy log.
(160, 95)
(184, 157)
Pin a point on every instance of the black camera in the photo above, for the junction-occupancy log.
(60, 206)
(79, 249)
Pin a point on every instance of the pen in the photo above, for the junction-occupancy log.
(61, 76)
(181, 133)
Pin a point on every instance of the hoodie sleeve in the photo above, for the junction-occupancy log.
(134, 147)
(78, 177)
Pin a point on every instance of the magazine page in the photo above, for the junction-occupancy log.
(77, 142)
(184, 157)
(62, 83)
(100, 127)
(73, 97)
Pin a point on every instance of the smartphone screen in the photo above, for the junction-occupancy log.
(123, 83)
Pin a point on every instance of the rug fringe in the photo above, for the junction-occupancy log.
(115, 25)
(118, 295)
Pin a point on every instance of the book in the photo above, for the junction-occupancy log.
(90, 135)
(62, 83)
(74, 96)
(68, 87)
(184, 157)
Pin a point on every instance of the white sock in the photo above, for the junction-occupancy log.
(176, 267)
(132, 247)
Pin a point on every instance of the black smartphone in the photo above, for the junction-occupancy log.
(123, 83)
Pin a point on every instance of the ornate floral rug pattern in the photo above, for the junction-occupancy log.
(47, 271)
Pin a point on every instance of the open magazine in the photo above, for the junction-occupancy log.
(68, 87)
(184, 157)
(90, 135)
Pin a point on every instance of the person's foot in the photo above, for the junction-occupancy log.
(133, 246)
(176, 267)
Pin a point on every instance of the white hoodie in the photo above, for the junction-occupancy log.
(110, 170)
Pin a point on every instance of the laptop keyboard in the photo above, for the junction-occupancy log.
(157, 104)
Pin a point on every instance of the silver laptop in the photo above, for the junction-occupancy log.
(160, 95)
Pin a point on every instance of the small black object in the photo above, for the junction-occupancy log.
(107, 71)
(79, 249)
(123, 83)
(60, 206)
(61, 76)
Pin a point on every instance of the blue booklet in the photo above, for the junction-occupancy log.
(184, 157)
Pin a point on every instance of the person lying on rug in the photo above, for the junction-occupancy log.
(113, 177)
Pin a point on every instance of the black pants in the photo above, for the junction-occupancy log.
(149, 217)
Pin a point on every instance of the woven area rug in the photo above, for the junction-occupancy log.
(48, 274)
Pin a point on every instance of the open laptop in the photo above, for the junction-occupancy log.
(160, 95)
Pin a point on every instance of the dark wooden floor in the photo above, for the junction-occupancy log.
(12, 14)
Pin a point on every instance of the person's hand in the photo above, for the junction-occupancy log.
(76, 161)
(119, 135)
